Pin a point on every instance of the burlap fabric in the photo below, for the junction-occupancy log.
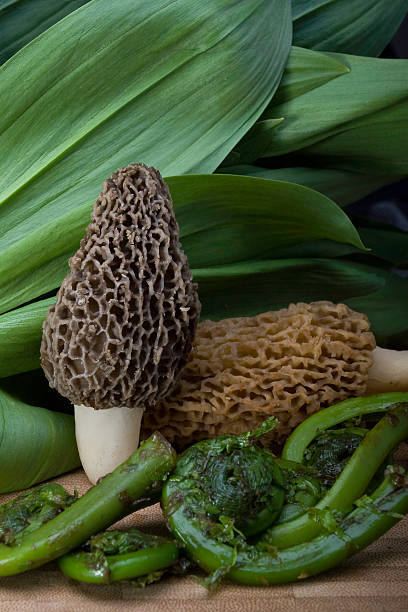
(373, 580)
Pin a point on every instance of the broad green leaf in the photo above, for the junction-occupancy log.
(39, 269)
(225, 291)
(20, 337)
(35, 444)
(360, 27)
(382, 142)
(225, 219)
(252, 287)
(247, 288)
(33, 388)
(222, 219)
(103, 88)
(244, 289)
(23, 20)
(256, 140)
(357, 121)
(306, 70)
(341, 186)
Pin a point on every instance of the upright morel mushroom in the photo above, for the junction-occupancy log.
(125, 317)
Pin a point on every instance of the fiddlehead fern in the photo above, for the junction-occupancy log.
(290, 549)
(116, 555)
(30, 510)
(330, 451)
(232, 476)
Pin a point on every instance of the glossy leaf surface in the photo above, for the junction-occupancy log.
(360, 27)
(35, 444)
(146, 81)
(23, 20)
(356, 122)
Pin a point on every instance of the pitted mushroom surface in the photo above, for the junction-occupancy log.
(125, 316)
(288, 363)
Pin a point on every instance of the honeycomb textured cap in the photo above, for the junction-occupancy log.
(288, 363)
(126, 313)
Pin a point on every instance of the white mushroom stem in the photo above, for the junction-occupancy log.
(389, 371)
(106, 438)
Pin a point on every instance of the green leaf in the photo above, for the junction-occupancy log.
(244, 289)
(222, 219)
(20, 337)
(225, 219)
(257, 140)
(33, 388)
(341, 186)
(381, 137)
(305, 71)
(23, 20)
(35, 444)
(251, 287)
(102, 88)
(247, 288)
(359, 27)
(357, 121)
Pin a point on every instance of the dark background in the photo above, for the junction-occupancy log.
(388, 204)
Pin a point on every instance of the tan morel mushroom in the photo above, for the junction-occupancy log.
(288, 363)
(125, 317)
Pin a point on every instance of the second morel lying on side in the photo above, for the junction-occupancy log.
(288, 363)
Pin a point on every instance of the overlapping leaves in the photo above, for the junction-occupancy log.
(146, 82)
(23, 20)
(247, 288)
(223, 220)
(360, 27)
(98, 104)
(342, 186)
(357, 121)
(177, 84)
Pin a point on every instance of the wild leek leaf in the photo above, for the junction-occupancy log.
(305, 71)
(244, 289)
(341, 186)
(23, 20)
(387, 310)
(247, 288)
(225, 219)
(20, 337)
(359, 27)
(174, 84)
(222, 219)
(35, 444)
(357, 121)
(381, 137)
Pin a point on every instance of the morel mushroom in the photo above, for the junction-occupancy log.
(288, 363)
(125, 317)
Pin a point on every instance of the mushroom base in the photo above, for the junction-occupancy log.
(106, 438)
(389, 371)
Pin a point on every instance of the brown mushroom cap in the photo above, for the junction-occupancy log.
(127, 311)
(288, 363)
